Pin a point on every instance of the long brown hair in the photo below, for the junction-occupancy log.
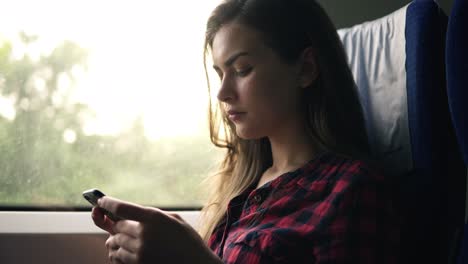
(334, 115)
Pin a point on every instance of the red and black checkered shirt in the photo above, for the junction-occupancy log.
(332, 210)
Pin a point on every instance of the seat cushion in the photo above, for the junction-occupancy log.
(377, 57)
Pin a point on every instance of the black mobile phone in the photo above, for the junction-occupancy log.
(92, 197)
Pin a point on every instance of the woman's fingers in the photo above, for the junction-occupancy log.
(115, 261)
(111, 243)
(176, 216)
(135, 212)
(125, 241)
(145, 233)
(126, 256)
(129, 227)
(121, 255)
(101, 220)
(124, 209)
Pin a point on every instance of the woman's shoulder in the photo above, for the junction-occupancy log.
(334, 169)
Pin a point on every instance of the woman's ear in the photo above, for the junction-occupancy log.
(309, 70)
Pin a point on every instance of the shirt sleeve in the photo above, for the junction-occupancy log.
(364, 226)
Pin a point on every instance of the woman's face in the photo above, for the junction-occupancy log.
(259, 92)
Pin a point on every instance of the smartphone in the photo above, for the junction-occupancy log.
(92, 197)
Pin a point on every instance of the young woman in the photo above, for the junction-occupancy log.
(295, 185)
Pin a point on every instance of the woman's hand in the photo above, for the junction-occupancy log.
(149, 235)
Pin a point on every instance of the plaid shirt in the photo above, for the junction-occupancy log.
(332, 210)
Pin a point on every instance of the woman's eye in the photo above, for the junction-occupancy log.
(244, 72)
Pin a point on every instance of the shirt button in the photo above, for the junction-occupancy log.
(257, 198)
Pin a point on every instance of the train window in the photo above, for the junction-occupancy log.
(103, 94)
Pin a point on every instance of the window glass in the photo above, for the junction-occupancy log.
(103, 94)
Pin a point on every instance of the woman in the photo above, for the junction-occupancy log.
(294, 186)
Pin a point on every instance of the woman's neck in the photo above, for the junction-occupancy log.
(290, 151)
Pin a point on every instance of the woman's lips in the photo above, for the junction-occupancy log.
(235, 116)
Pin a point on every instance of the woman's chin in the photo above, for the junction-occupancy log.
(248, 134)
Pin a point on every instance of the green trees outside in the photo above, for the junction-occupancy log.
(39, 167)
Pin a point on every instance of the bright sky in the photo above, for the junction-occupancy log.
(145, 58)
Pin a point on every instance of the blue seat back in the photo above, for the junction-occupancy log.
(398, 64)
(457, 87)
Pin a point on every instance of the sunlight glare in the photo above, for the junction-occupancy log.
(145, 59)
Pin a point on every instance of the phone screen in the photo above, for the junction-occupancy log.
(92, 196)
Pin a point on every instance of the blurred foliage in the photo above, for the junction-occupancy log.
(38, 167)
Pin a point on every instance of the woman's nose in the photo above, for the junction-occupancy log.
(226, 91)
